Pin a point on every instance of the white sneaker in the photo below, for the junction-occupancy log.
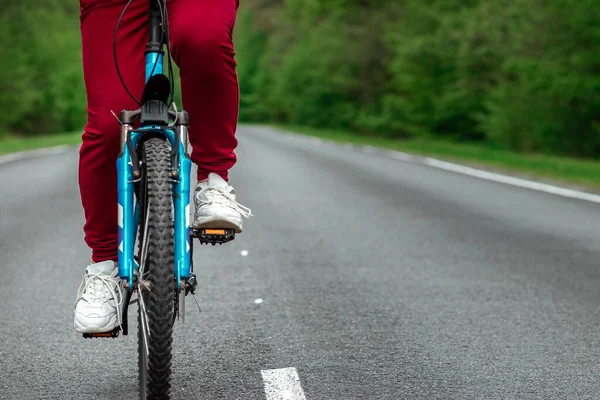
(216, 206)
(100, 299)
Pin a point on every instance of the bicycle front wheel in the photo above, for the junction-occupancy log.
(156, 283)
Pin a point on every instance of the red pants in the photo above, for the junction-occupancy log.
(202, 47)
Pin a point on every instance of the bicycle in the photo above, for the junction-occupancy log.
(153, 171)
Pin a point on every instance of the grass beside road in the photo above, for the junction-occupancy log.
(570, 171)
(12, 143)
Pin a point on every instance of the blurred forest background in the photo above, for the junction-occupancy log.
(517, 74)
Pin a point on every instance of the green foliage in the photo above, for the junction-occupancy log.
(518, 74)
(42, 87)
(522, 74)
(250, 47)
(549, 96)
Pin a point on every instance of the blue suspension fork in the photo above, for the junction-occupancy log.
(129, 212)
(127, 218)
(181, 204)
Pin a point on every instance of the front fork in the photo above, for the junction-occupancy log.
(181, 205)
(128, 172)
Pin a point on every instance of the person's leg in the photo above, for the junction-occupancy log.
(100, 296)
(202, 46)
(101, 139)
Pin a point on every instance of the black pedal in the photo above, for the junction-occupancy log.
(214, 235)
(112, 334)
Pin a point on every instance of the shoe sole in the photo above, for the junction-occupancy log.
(108, 327)
(211, 222)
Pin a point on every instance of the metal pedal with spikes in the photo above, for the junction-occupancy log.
(214, 236)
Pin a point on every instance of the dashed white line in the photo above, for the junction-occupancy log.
(282, 384)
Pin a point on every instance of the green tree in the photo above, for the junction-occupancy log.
(42, 88)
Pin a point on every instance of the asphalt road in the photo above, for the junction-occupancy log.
(379, 279)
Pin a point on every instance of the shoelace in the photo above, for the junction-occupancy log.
(99, 282)
(223, 197)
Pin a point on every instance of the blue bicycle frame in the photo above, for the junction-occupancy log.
(128, 207)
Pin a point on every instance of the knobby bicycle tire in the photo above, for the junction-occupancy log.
(158, 282)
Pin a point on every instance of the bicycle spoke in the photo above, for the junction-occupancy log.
(144, 246)
(144, 317)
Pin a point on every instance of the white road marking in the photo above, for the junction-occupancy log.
(368, 149)
(398, 155)
(461, 169)
(489, 176)
(509, 180)
(33, 153)
(258, 301)
(282, 384)
(244, 253)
